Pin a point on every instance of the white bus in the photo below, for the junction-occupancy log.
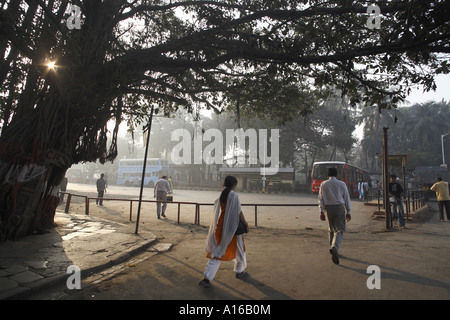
(130, 171)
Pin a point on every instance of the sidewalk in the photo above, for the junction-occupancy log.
(92, 244)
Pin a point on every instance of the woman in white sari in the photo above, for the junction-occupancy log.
(222, 243)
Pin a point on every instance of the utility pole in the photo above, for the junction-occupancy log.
(148, 128)
(443, 152)
(387, 204)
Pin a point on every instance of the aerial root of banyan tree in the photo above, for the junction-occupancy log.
(28, 198)
(29, 181)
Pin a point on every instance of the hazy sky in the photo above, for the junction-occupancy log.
(442, 92)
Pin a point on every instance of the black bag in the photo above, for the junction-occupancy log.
(241, 228)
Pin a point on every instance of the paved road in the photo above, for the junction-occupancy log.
(288, 257)
(273, 217)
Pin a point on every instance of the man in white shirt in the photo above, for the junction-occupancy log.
(162, 187)
(335, 199)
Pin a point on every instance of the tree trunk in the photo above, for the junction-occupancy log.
(28, 197)
(33, 165)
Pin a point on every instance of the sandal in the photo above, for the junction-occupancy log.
(205, 283)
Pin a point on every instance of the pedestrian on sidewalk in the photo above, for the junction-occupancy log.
(395, 192)
(335, 200)
(162, 187)
(101, 189)
(443, 197)
(225, 241)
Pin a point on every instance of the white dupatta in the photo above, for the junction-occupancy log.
(230, 224)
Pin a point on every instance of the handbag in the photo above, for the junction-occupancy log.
(241, 228)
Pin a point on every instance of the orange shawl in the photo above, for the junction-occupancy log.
(230, 253)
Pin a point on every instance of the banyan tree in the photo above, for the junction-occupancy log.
(70, 67)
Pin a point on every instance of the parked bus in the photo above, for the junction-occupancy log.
(130, 171)
(348, 173)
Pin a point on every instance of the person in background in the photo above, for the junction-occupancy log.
(162, 188)
(170, 184)
(443, 197)
(395, 192)
(101, 189)
(361, 190)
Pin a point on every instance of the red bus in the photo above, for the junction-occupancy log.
(348, 173)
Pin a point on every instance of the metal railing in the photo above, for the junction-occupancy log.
(256, 207)
(88, 199)
(197, 205)
(414, 200)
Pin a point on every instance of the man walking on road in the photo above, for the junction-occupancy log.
(101, 189)
(443, 197)
(335, 199)
(162, 187)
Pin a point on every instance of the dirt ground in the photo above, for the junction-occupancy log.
(287, 254)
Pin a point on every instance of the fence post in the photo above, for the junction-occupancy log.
(69, 197)
(196, 213)
(178, 219)
(406, 206)
(131, 209)
(256, 215)
(378, 198)
(409, 200)
(86, 205)
(418, 200)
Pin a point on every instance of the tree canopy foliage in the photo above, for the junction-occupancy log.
(414, 131)
(261, 54)
(263, 58)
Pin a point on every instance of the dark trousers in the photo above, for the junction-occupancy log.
(100, 195)
(444, 204)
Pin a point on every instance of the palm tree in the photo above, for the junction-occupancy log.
(374, 120)
(430, 120)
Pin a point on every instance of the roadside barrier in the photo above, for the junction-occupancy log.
(88, 199)
(197, 205)
(256, 207)
(413, 200)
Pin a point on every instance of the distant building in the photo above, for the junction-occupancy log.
(252, 179)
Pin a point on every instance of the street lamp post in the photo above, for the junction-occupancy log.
(147, 128)
(387, 204)
(443, 153)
